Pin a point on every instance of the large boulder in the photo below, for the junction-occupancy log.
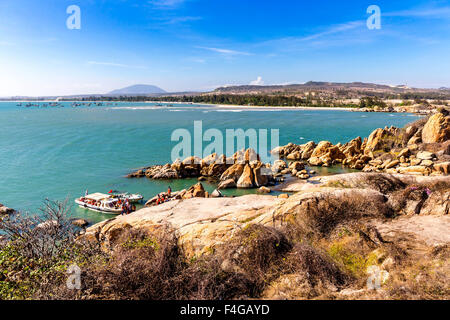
(437, 128)
(443, 167)
(278, 166)
(214, 170)
(227, 184)
(208, 160)
(308, 149)
(192, 161)
(262, 175)
(415, 170)
(247, 178)
(321, 149)
(251, 155)
(297, 165)
(195, 191)
(234, 172)
(425, 155)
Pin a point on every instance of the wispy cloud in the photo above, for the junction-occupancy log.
(112, 64)
(438, 13)
(227, 52)
(167, 20)
(166, 4)
(335, 29)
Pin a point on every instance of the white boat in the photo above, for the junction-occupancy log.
(131, 197)
(101, 203)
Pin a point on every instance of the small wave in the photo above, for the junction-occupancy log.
(229, 110)
(136, 108)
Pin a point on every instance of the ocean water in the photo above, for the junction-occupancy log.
(59, 152)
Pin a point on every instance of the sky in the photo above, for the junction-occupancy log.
(184, 45)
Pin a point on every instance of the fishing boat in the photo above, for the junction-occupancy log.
(101, 203)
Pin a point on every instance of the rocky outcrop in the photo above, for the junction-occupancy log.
(391, 150)
(204, 223)
(227, 184)
(244, 168)
(247, 178)
(4, 210)
(437, 128)
(82, 223)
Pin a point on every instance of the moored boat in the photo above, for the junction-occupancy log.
(101, 203)
(131, 197)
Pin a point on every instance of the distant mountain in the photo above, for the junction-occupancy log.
(311, 85)
(138, 89)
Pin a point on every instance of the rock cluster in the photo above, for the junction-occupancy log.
(5, 210)
(391, 150)
(203, 223)
(243, 170)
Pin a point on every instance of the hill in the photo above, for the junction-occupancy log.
(137, 89)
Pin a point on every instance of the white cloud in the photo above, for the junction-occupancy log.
(258, 82)
(443, 12)
(176, 20)
(166, 4)
(225, 51)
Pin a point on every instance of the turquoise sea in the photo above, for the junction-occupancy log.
(59, 152)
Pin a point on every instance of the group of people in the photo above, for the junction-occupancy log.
(127, 207)
(164, 197)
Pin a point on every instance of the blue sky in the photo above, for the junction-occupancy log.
(202, 44)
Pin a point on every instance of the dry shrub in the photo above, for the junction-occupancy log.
(324, 214)
(318, 266)
(152, 267)
(141, 267)
(206, 279)
(399, 199)
(384, 183)
(424, 277)
(258, 247)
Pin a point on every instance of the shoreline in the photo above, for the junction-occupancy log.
(228, 106)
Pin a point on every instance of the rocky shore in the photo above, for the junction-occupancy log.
(396, 223)
(243, 170)
(332, 231)
(422, 148)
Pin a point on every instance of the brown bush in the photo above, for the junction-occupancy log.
(384, 183)
(206, 279)
(323, 215)
(317, 265)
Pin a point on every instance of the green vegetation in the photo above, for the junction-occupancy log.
(371, 102)
(232, 99)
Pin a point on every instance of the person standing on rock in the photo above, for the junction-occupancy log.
(169, 191)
